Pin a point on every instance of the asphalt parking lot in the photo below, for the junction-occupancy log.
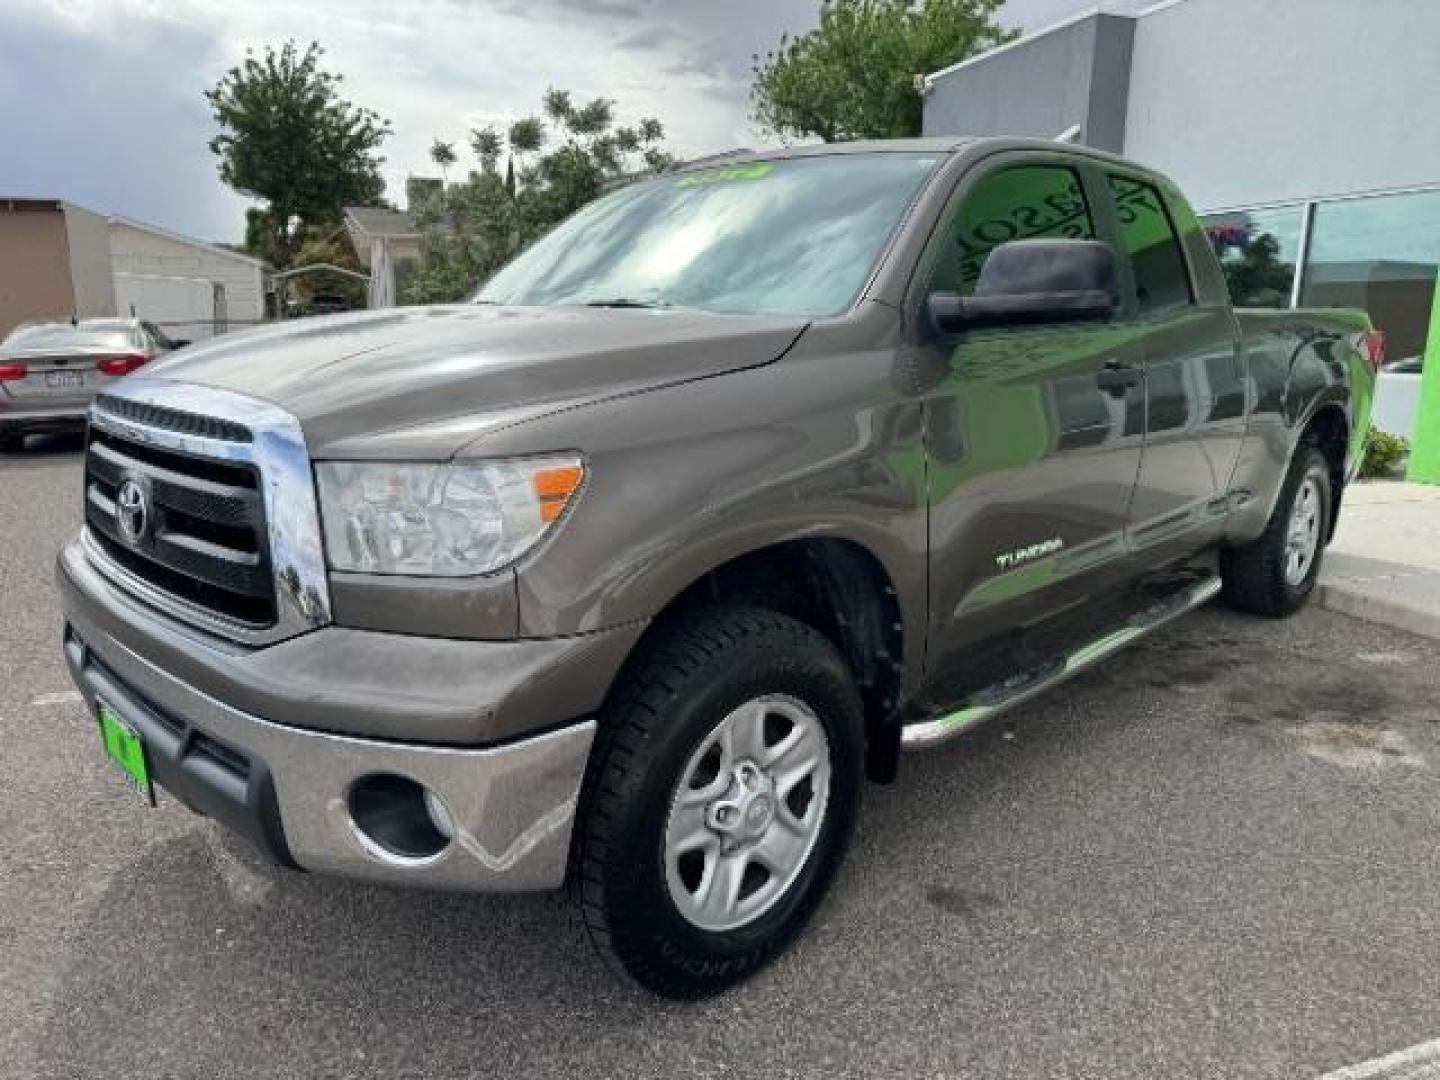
(1215, 856)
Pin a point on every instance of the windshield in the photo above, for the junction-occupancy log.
(792, 237)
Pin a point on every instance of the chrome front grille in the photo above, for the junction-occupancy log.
(201, 502)
(205, 538)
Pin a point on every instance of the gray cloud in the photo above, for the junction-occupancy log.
(121, 129)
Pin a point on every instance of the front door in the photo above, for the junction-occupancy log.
(1033, 446)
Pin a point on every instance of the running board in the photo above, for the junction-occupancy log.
(997, 699)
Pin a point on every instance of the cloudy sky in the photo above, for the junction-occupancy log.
(100, 100)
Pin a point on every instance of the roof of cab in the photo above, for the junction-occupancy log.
(933, 145)
(865, 146)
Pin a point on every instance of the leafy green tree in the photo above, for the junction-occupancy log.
(554, 164)
(1255, 273)
(288, 137)
(853, 77)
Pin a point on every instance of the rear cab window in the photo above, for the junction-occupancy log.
(1147, 236)
(1020, 202)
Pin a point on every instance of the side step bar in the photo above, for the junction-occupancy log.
(927, 733)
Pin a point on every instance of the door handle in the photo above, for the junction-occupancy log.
(1117, 378)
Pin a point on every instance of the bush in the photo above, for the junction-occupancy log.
(1383, 454)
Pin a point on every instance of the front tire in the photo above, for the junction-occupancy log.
(719, 800)
(11, 442)
(1275, 574)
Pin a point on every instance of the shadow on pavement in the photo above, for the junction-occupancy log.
(45, 450)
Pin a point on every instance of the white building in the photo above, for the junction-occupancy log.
(191, 289)
(1300, 129)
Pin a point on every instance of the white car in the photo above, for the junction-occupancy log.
(50, 372)
(1397, 397)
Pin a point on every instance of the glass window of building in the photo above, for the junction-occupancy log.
(1258, 252)
(1379, 254)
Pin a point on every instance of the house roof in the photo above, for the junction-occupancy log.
(181, 238)
(379, 222)
(33, 202)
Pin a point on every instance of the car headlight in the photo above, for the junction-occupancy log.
(444, 520)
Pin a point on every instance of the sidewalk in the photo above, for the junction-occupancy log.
(1384, 564)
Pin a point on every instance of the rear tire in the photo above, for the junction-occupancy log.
(11, 442)
(1275, 574)
(691, 798)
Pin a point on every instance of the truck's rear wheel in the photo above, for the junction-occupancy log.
(719, 800)
(1276, 574)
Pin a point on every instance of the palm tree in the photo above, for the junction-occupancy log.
(443, 154)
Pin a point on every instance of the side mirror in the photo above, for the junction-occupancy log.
(179, 343)
(1034, 281)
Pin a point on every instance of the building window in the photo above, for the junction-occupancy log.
(1148, 236)
(1379, 254)
(1258, 252)
(1022, 203)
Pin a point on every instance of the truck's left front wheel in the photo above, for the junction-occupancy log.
(720, 797)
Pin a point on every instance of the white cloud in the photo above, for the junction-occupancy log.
(433, 67)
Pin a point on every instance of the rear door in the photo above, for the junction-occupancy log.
(1032, 446)
(1194, 378)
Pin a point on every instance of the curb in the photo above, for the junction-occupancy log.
(1352, 598)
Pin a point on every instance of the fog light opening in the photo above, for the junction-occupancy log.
(398, 820)
(439, 815)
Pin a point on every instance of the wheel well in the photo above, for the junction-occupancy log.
(843, 591)
(1329, 432)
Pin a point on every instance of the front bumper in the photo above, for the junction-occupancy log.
(287, 790)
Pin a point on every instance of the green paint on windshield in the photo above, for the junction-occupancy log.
(757, 171)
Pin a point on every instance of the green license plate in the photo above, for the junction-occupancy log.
(126, 750)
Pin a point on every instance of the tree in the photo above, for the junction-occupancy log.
(288, 138)
(853, 77)
(554, 164)
(443, 154)
(1254, 272)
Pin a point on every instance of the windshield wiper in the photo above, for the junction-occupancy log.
(628, 302)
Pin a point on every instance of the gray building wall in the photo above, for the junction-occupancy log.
(1041, 86)
(88, 237)
(1246, 102)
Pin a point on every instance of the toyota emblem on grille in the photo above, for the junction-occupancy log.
(132, 511)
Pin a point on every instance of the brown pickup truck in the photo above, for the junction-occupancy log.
(630, 572)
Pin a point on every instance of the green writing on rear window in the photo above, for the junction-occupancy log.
(757, 171)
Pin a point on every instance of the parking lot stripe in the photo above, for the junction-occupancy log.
(63, 697)
(1420, 1062)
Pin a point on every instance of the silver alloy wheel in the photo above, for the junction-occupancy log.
(1302, 538)
(747, 811)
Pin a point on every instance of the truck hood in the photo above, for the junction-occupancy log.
(421, 383)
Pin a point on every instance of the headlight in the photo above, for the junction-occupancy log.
(441, 520)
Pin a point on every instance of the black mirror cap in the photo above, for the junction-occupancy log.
(1034, 281)
(1030, 267)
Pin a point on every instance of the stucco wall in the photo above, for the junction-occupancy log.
(1041, 86)
(34, 266)
(138, 251)
(1245, 102)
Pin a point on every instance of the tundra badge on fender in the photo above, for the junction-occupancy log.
(1011, 559)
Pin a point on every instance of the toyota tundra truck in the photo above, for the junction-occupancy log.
(629, 573)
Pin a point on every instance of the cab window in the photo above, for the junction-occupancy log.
(1025, 202)
(1147, 235)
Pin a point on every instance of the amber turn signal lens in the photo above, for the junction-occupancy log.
(554, 487)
